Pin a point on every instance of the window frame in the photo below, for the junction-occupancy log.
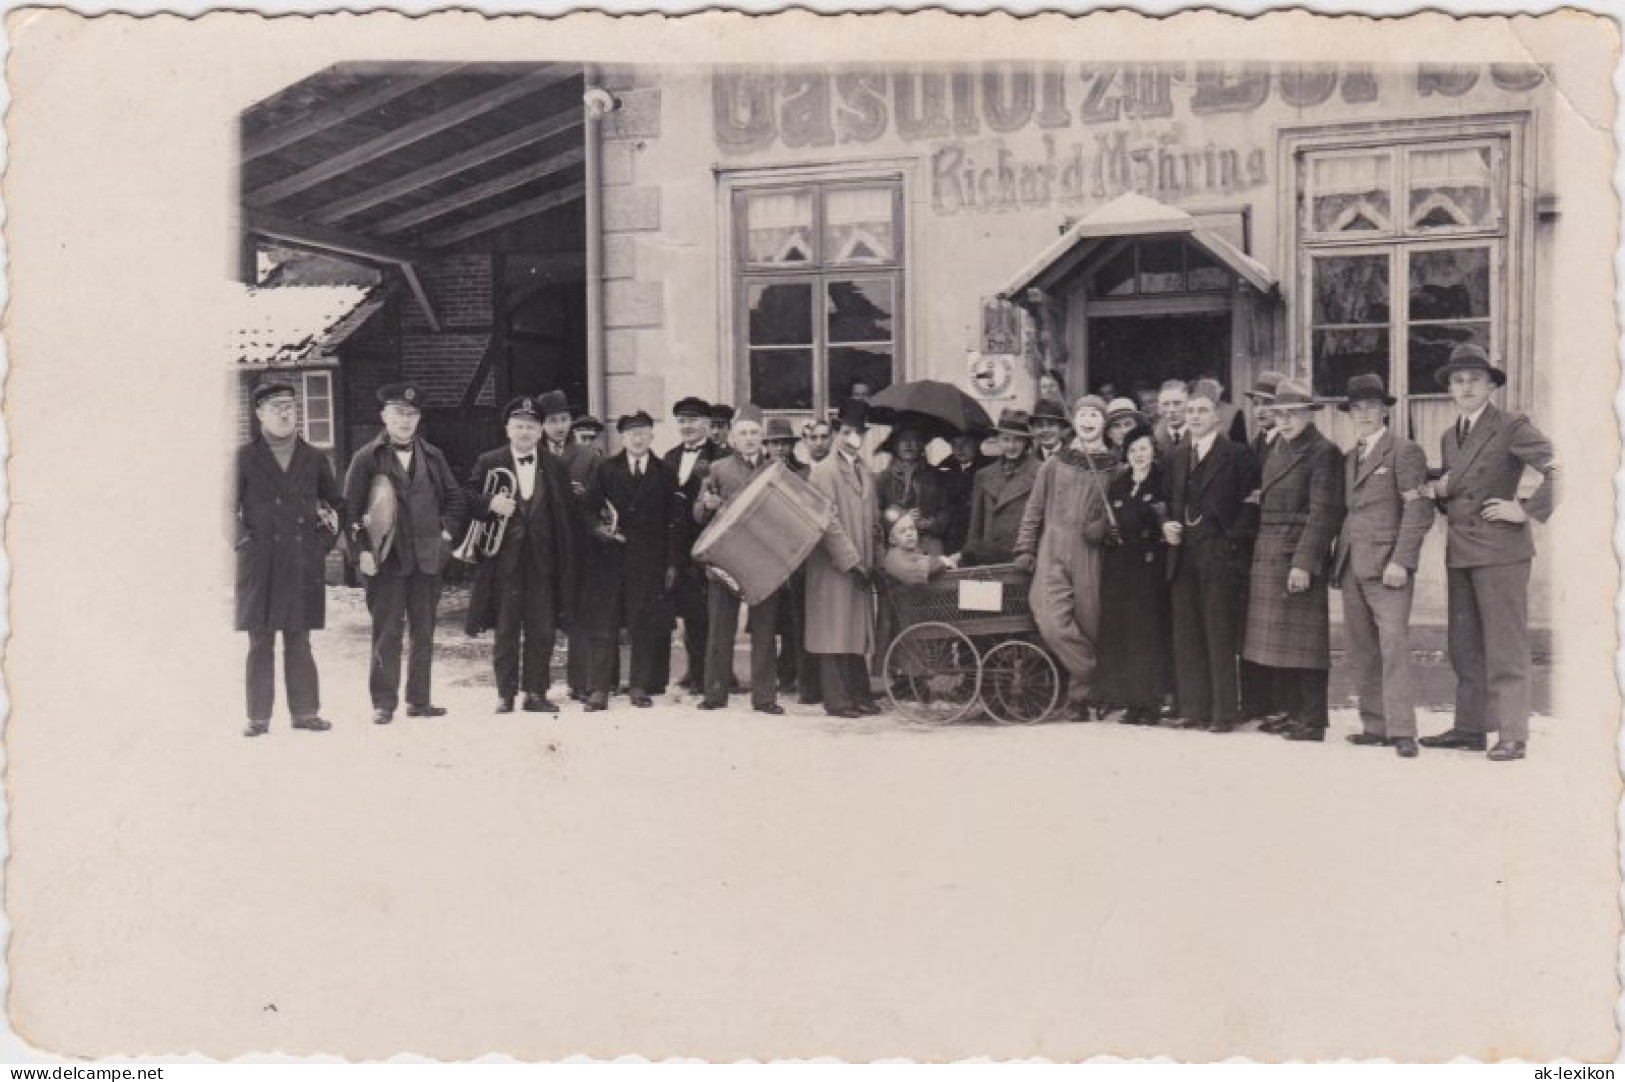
(1510, 138)
(306, 377)
(734, 190)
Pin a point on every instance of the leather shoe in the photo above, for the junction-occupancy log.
(711, 704)
(312, 724)
(596, 702)
(869, 709)
(1275, 726)
(1190, 723)
(769, 708)
(1367, 740)
(505, 705)
(540, 704)
(1507, 750)
(256, 728)
(640, 700)
(577, 695)
(847, 712)
(427, 710)
(382, 716)
(1459, 739)
(1405, 748)
(1222, 727)
(1305, 732)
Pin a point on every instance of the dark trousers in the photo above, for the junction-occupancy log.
(1489, 648)
(692, 606)
(845, 680)
(1300, 693)
(723, 621)
(1206, 601)
(578, 664)
(524, 624)
(605, 654)
(298, 672)
(398, 604)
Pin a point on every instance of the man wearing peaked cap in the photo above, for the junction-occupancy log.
(691, 461)
(721, 419)
(525, 589)
(729, 477)
(585, 433)
(798, 670)
(586, 430)
(287, 512)
(400, 472)
(631, 566)
(1388, 516)
(1488, 552)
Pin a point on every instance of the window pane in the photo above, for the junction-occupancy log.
(316, 409)
(1430, 345)
(1351, 193)
(1453, 283)
(1452, 188)
(781, 379)
(1203, 273)
(1351, 289)
(850, 364)
(858, 226)
(1162, 266)
(319, 433)
(779, 227)
(860, 310)
(1340, 354)
(781, 314)
(1116, 278)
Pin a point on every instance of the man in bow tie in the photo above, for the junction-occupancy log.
(691, 460)
(526, 588)
(403, 577)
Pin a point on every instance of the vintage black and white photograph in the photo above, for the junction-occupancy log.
(692, 538)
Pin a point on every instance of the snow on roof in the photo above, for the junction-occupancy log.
(283, 325)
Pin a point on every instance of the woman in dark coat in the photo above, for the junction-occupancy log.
(1135, 639)
(910, 482)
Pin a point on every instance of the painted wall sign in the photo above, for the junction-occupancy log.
(757, 108)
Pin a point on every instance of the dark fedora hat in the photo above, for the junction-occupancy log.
(639, 419)
(1014, 423)
(1469, 357)
(855, 413)
(551, 403)
(1265, 385)
(1366, 388)
(1294, 394)
(1048, 409)
(777, 429)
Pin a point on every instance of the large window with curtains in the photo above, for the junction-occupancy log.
(819, 278)
(1406, 248)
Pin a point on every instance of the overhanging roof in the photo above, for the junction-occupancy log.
(286, 325)
(1132, 215)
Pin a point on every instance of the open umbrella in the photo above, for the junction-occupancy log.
(941, 409)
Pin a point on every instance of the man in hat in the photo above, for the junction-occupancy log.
(560, 445)
(1388, 516)
(1048, 424)
(819, 438)
(798, 670)
(728, 477)
(840, 616)
(1210, 524)
(1170, 430)
(526, 588)
(691, 461)
(1300, 510)
(999, 495)
(1257, 687)
(631, 567)
(722, 419)
(958, 472)
(403, 575)
(1488, 550)
(587, 431)
(286, 512)
(1122, 417)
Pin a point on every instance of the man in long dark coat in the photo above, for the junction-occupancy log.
(631, 567)
(585, 432)
(1300, 512)
(283, 535)
(527, 588)
(1210, 525)
(690, 461)
(403, 579)
(998, 496)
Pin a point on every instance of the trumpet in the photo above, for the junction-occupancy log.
(485, 538)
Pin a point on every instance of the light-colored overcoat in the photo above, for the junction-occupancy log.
(840, 612)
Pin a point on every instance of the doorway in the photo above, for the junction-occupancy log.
(1126, 352)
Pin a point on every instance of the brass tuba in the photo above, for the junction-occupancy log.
(484, 538)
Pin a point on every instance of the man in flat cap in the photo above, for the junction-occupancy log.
(1488, 550)
(728, 477)
(1385, 489)
(587, 432)
(400, 473)
(798, 670)
(722, 419)
(560, 444)
(287, 512)
(631, 565)
(690, 461)
(526, 589)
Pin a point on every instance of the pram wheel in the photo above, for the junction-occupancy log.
(933, 673)
(1020, 683)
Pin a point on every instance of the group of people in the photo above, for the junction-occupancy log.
(1180, 565)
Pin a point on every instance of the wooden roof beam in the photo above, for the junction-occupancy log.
(341, 110)
(497, 219)
(468, 197)
(269, 194)
(411, 274)
(450, 167)
(326, 239)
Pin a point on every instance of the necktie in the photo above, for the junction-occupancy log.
(1364, 447)
(1463, 427)
(637, 468)
(525, 460)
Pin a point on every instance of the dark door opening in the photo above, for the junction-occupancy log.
(1126, 352)
(547, 342)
